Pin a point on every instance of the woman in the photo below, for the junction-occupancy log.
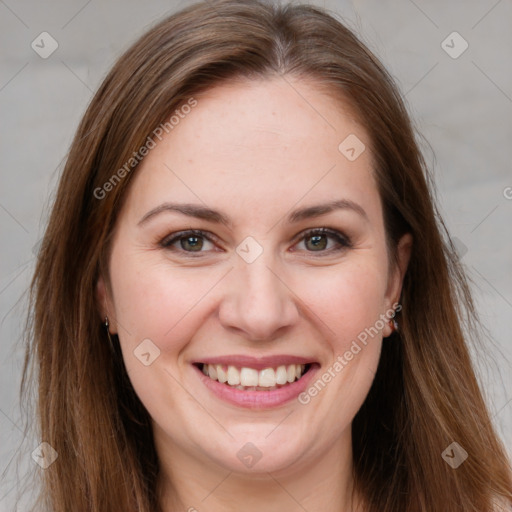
(243, 297)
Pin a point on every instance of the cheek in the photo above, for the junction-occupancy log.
(156, 302)
(150, 298)
(347, 298)
(347, 302)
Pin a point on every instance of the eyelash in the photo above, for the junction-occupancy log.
(342, 240)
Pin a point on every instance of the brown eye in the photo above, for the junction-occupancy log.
(325, 241)
(188, 242)
(192, 243)
(318, 242)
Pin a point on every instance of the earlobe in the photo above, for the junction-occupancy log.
(403, 253)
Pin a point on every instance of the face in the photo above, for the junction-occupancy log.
(252, 241)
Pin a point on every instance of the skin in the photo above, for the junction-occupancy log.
(254, 150)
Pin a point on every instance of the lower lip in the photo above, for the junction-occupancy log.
(258, 399)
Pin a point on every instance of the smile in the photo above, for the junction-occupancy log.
(256, 383)
(251, 379)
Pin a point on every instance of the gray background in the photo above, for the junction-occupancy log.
(463, 107)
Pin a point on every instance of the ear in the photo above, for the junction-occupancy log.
(396, 277)
(105, 305)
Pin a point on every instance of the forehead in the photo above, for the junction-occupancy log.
(257, 145)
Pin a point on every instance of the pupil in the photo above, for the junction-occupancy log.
(193, 242)
(319, 242)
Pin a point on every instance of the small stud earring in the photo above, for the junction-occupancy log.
(393, 324)
(111, 343)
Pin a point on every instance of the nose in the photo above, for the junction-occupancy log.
(258, 304)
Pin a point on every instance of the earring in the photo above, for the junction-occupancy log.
(111, 343)
(393, 324)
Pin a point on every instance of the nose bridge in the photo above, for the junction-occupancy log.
(260, 282)
(257, 302)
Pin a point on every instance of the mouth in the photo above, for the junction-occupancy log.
(246, 378)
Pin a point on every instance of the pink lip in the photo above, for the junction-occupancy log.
(258, 363)
(258, 399)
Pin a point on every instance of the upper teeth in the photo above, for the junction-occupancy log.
(267, 378)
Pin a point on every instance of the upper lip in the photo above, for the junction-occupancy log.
(258, 363)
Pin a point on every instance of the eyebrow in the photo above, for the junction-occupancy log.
(202, 212)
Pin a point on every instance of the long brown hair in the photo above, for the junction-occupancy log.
(425, 394)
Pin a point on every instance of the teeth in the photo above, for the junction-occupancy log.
(249, 377)
(222, 375)
(281, 375)
(233, 376)
(245, 378)
(212, 372)
(267, 378)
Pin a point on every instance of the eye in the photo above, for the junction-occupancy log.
(317, 240)
(191, 241)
